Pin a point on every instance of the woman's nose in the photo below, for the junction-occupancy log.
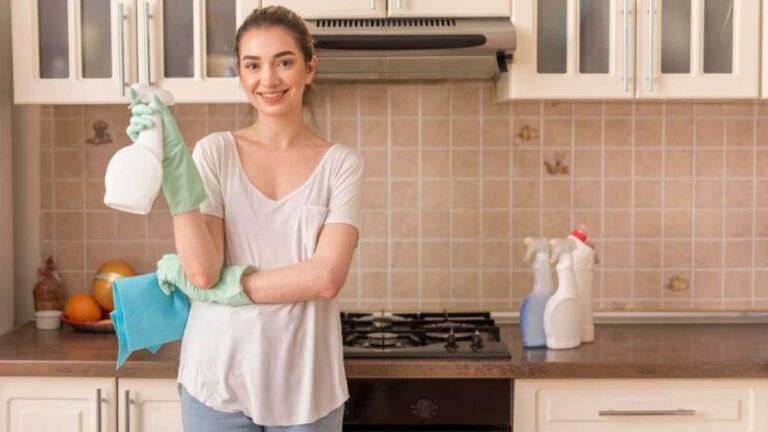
(271, 76)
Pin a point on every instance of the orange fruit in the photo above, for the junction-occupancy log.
(82, 307)
(102, 283)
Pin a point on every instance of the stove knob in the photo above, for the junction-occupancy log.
(450, 343)
(424, 409)
(477, 341)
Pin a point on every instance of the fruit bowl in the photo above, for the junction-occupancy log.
(103, 326)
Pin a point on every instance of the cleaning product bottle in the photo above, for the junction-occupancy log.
(562, 316)
(584, 269)
(532, 309)
(135, 173)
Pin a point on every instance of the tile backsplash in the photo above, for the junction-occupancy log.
(674, 194)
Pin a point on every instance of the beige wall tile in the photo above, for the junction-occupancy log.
(709, 132)
(405, 132)
(739, 132)
(648, 132)
(404, 100)
(464, 254)
(588, 132)
(465, 132)
(373, 223)
(435, 100)
(373, 100)
(405, 193)
(496, 132)
(557, 133)
(434, 163)
(404, 163)
(435, 133)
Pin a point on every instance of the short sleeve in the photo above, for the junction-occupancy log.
(345, 186)
(206, 165)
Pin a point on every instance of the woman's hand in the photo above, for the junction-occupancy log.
(227, 291)
(182, 185)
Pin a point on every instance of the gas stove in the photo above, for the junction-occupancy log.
(465, 335)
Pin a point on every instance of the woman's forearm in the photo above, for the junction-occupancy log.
(308, 280)
(201, 257)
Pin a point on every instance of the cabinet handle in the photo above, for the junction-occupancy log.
(373, 4)
(120, 50)
(626, 46)
(146, 42)
(98, 410)
(650, 45)
(630, 413)
(128, 411)
(399, 4)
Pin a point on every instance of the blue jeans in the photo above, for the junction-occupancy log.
(198, 417)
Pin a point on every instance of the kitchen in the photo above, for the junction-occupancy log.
(670, 175)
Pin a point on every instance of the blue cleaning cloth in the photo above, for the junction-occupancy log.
(144, 317)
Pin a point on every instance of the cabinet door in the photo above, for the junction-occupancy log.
(185, 47)
(313, 9)
(148, 405)
(571, 49)
(614, 405)
(57, 404)
(449, 8)
(698, 48)
(72, 51)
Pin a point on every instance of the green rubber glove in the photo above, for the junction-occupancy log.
(182, 184)
(227, 291)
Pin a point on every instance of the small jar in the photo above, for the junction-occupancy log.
(48, 319)
(47, 292)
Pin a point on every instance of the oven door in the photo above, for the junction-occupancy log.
(435, 405)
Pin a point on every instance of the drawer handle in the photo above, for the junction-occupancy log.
(629, 413)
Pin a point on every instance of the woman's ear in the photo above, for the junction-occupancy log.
(311, 69)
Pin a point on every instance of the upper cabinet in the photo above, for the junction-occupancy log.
(72, 50)
(575, 49)
(88, 51)
(698, 49)
(312, 9)
(587, 49)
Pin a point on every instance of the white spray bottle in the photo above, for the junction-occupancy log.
(562, 316)
(584, 270)
(532, 309)
(135, 173)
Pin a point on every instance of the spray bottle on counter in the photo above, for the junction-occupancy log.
(532, 309)
(135, 173)
(562, 315)
(584, 270)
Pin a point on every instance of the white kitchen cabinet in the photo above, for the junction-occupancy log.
(638, 405)
(449, 8)
(765, 52)
(311, 9)
(187, 47)
(148, 405)
(87, 51)
(67, 51)
(698, 49)
(574, 49)
(48, 404)
(587, 49)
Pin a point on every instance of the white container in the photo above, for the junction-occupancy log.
(135, 173)
(562, 316)
(584, 270)
(48, 319)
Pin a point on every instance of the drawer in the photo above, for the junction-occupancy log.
(680, 405)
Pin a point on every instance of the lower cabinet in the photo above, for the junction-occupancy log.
(148, 405)
(48, 404)
(638, 405)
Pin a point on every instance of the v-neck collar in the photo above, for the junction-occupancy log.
(258, 191)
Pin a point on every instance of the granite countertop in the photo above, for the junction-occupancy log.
(619, 351)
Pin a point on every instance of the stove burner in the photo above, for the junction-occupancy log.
(381, 322)
(382, 339)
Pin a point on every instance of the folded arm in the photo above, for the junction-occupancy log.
(321, 276)
(200, 246)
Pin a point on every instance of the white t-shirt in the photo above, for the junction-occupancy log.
(280, 364)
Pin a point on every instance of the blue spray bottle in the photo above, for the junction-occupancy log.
(532, 309)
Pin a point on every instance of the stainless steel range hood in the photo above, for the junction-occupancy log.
(412, 48)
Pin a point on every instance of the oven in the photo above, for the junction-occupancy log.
(419, 404)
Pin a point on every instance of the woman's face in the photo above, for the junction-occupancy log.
(273, 72)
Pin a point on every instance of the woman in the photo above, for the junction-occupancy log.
(275, 206)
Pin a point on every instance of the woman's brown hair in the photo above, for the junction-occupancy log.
(278, 16)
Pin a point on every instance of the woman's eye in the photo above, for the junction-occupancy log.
(252, 66)
(285, 63)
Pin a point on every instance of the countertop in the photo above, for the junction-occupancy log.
(619, 351)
